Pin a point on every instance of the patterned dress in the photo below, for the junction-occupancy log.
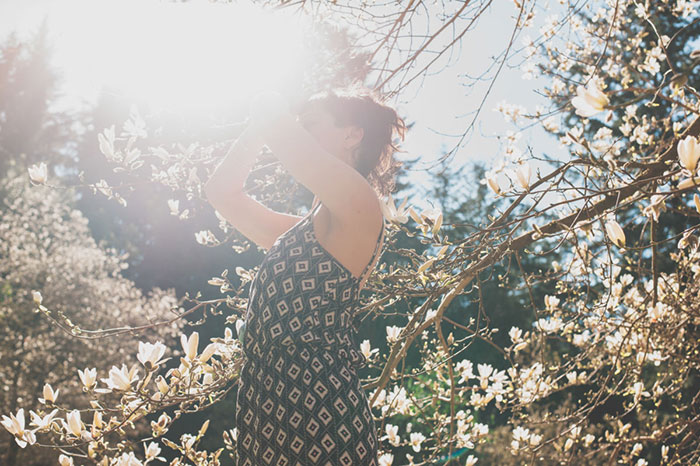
(299, 399)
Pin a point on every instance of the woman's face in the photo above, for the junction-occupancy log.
(321, 125)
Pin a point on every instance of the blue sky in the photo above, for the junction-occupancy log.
(439, 104)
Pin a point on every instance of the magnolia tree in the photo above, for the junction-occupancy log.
(56, 286)
(605, 371)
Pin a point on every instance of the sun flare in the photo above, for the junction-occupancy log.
(185, 56)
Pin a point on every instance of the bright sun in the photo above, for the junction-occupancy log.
(183, 56)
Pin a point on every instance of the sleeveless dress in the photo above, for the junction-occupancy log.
(299, 398)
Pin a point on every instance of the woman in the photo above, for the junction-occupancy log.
(299, 399)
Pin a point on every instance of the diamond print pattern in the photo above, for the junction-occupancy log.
(299, 400)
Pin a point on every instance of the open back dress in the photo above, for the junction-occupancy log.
(299, 399)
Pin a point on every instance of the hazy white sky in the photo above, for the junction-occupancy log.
(93, 38)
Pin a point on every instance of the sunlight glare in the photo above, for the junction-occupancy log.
(183, 56)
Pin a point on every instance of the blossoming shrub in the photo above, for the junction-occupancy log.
(54, 277)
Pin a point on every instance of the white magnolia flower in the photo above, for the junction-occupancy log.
(128, 459)
(588, 440)
(689, 153)
(658, 204)
(568, 444)
(135, 125)
(466, 369)
(152, 451)
(209, 351)
(38, 174)
(523, 175)
(392, 333)
(64, 460)
(393, 214)
(74, 425)
(471, 460)
(367, 350)
(485, 371)
(387, 459)
(42, 423)
(150, 354)
(88, 378)
(49, 395)
(106, 141)
(205, 237)
(392, 434)
(550, 325)
(416, 440)
(589, 100)
(493, 184)
(36, 296)
(97, 422)
(432, 219)
(189, 345)
(551, 302)
(15, 425)
(120, 379)
(174, 206)
(515, 334)
(615, 233)
(689, 182)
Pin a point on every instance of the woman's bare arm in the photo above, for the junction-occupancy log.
(344, 191)
(224, 191)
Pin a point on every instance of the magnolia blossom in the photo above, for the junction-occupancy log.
(205, 237)
(466, 368)
(392, 434)
(38, 174)
(88, 378)
(551, 302)
(589, 100)
(658, 204)
(152, 452)
(615, 233)
(64, 460)
(120, 379)
(387, 459)
(431, 219)
(523, 175)
(493, 184)
(689, 182)
(189, 345)
(393, 214)
(106, 141)
(15, 425)
(471, 460)
(392, 333)
(485, 371)
(174, 206)
(49, 395)
(42, 423)
(74, 425)
(128, 459)
(689, 153)
(367, 349)
(149, 354)
(416, 440)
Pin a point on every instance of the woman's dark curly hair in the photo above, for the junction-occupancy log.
(362, 107)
